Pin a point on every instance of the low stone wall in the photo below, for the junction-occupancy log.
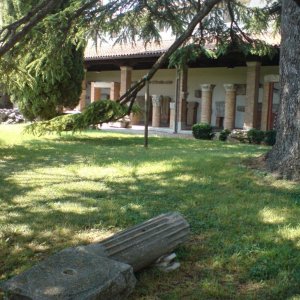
(11, 116)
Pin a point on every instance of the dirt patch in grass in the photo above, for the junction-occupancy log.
(257, 163)
(260, 164)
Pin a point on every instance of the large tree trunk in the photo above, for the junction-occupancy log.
(284, 158)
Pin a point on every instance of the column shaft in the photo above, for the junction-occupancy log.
(156, 110)
(265, 105)
(172, 115)
(114, 91)
(191, 113)
(126, 77)
(230, 106)
(95, 93)
(253, 73)
(206, 103)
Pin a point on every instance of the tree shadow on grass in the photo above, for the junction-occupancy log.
(235, 249)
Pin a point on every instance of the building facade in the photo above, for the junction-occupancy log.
(231, 92)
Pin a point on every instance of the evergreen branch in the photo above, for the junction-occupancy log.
(203, 12)
(29, 21)
(232, 20)
(13, 26)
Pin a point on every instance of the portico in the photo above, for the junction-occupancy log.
(207, 91)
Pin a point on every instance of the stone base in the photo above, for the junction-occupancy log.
(74, 273)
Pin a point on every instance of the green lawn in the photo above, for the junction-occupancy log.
(62, 191)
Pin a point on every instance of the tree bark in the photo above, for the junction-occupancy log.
(284, 158)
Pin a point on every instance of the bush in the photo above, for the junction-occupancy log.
(255, 136)
(202, 131)
(270, 137)
(224, 135)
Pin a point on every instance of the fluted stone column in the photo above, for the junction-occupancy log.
(126, 75)
(172, 115)
(206, 103)
(191, 112)
(142, 244)
(253, 74)
(95, 93)
(156, 107)
(114, 90)
(230, 106)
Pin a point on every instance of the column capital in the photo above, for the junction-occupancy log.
(207, 87)
(156, 100)
(126, 68)
(253, 63)
(229, 87)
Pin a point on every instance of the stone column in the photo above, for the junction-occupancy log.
(172, 115)
(267, 100)
(191, 111)
(230, 106)
(265, 105)
(156, 110)
(253, 74)
(126, 76)
(206, 103)
(114, 90)
(82, 102)
(95, 93)
(183, 94)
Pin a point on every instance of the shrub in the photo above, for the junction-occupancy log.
(270, 137)
(255, 136)
(224, 135)
(202, 131)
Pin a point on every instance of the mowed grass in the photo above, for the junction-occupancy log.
(60, 191)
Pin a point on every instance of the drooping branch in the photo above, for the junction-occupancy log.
(11, 28)
(120, 108)
(235, 23)
(11, 34)
(28, 22)
(203, 12)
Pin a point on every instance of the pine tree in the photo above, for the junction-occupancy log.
(45, 70)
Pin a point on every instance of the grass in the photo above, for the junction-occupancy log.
(62, 191)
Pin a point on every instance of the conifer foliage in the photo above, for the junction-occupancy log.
(45, 70)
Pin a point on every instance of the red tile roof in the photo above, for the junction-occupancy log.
(106, 51)
(138, 49)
